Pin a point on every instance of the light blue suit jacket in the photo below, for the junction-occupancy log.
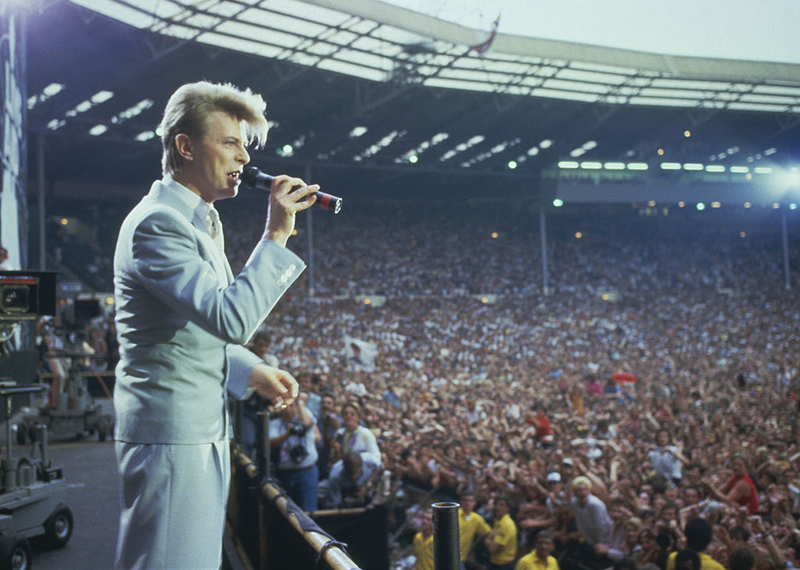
(182, 319)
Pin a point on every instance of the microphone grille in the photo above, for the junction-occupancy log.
(249, 175)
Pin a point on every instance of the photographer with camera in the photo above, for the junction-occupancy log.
(293, 439)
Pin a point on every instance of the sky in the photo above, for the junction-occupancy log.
(757, 30)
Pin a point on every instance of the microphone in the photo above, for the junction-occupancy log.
(253, 177)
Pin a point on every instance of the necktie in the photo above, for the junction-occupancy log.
(215, 229)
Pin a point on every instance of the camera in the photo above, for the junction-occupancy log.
(297, 453)
(27, 295)
(665, 540)
(299, 431)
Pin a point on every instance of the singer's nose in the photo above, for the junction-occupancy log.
(244, 156)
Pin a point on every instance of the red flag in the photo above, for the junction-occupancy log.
(481, 48)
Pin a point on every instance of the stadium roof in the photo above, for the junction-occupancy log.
(392, 99)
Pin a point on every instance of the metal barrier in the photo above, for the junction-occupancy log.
(270, 532)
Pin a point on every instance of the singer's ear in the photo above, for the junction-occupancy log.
(183, 144)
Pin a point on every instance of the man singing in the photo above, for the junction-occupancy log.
(182, 320)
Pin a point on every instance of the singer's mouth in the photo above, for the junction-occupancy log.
(234, 175)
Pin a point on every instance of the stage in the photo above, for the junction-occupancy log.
(93, 496)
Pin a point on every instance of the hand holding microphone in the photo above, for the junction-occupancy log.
(254, 178)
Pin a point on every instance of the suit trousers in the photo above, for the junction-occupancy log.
(173, 503)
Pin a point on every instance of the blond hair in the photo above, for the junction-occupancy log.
(189, 108)
(582, 479)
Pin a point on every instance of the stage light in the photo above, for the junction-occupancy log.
(569, 164)
(687, 133)
(681, 204)
(701, 206)
(637, 166)
(670, 166)
(558, 202)
(614, 166)
(413, 159)
(578, 235)
(512, 164)
(495, 235)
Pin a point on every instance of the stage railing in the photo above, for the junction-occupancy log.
(269, 531)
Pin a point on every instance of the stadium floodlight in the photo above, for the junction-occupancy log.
(357, 132)
(101, 97)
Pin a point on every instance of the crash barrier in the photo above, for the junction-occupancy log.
(270, 532)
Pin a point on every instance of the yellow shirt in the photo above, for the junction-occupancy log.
(706, 562)
(423, 550)
(532, 562)
(469, 528)
(505, 534)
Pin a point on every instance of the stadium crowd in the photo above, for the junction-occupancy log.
(657, 376)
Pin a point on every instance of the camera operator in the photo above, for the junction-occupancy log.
(293, 438)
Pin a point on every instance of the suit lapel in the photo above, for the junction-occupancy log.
(163, 194)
